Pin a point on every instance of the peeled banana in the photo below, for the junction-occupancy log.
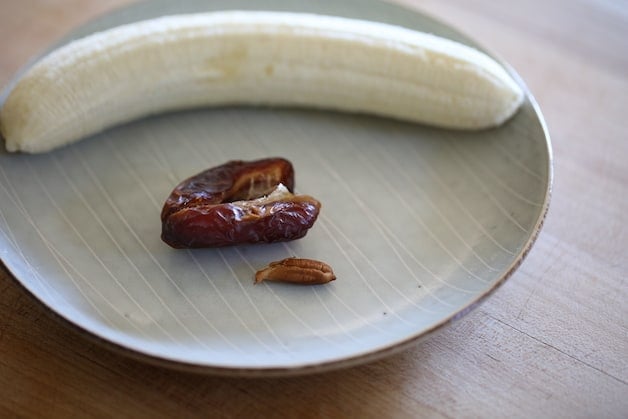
(253, 58)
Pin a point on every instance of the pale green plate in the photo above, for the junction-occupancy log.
(419, 225)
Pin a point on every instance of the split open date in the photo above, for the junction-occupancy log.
(239, 202)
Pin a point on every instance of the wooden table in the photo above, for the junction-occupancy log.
(552, 342)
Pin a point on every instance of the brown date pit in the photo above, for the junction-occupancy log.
(296, 271)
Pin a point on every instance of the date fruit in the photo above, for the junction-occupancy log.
(239, 202)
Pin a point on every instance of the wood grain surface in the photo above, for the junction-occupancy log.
(551, 342)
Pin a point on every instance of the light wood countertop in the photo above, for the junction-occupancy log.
(551, 342)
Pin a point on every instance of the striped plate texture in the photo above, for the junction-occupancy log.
(419, 224)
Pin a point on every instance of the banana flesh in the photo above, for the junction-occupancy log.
(253, 58)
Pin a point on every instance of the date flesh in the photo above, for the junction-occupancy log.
(239, 202)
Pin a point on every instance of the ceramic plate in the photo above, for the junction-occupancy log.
(419, 224)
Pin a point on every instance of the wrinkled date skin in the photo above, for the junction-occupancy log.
(238, 202)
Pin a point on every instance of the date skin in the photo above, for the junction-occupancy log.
(237, 203)
(233, 181)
